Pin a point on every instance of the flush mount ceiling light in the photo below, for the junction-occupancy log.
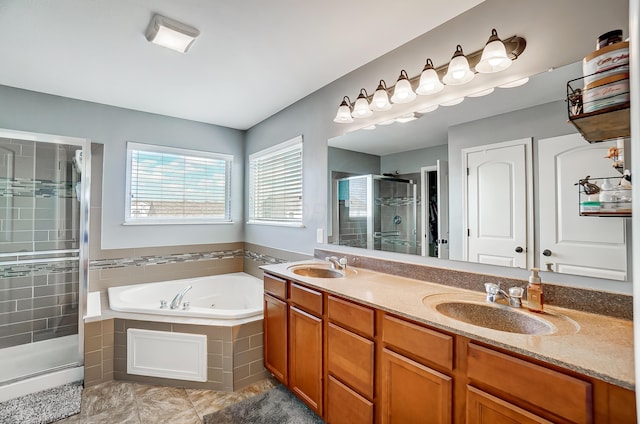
(169, 33)
(403, 92)
(430, 81)
(458, 72)
(380, 101)
(361, 108)
(344, 112)
(494, 56)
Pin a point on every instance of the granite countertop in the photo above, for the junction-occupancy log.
(594, 345)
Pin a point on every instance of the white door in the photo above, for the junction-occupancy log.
(498, 204)
(569, 243)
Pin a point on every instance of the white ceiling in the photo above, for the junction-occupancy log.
(252, 59)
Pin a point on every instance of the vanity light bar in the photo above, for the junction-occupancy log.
(492, 58)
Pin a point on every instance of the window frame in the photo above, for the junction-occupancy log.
(177, 220)
(294, 143)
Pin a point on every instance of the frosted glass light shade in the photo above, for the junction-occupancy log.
(169, 33)
(494, 56)
(429, 81)
(361, 108)
(458, 71)
(403, 92)
(380, 101)
(344, 112)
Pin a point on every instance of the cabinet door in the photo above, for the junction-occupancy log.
(275, 337)
(482, 408)
(305, 358)
(413, 393)
(344, 406)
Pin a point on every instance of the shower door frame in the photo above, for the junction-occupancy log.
(85, 206)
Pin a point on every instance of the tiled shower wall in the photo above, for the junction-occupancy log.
(39, 212)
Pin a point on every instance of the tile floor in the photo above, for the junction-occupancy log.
(122, 402)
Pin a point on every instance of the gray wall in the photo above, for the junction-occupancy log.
(539, 122)
(412, 161)
(313, 115)
(36, 112)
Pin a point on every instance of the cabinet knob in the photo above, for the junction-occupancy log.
(519, 249)
(546, 252)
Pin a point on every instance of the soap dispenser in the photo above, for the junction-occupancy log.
(535, 297)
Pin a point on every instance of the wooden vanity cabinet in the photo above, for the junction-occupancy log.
(305, 346)
(350, 362)
(354, 364)
(276, 328)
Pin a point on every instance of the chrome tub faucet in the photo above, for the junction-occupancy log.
(177, 300)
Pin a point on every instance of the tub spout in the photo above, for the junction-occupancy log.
(175, 303)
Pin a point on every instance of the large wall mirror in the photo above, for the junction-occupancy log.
(489, 180)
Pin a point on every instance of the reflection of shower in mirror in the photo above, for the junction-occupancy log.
(77, 161)
(77, 164)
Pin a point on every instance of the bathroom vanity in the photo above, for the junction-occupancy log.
(373, 347)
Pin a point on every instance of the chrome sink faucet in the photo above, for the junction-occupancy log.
(337, 263)
(494, 292)
(177, 300)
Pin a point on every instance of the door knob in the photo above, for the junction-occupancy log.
(546, 252)
(519, 249)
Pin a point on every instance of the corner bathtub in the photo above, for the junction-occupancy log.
(223, 296)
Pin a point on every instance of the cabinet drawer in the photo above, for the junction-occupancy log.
(346, 406)
(275, 286)
(350, 315)
(307, 299)
(483, 408)
(351, 358)
(419, 342)
(532, 384)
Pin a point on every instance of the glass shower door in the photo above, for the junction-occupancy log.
(43, 263)
(395, 215)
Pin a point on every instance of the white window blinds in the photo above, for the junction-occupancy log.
(275, 184)
(166, 184)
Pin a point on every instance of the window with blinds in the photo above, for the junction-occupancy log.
(172, 185)
(275, 184)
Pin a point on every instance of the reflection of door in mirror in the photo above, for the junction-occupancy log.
(434, 210)
(377, 212)
(582, 245)
(498, 199)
